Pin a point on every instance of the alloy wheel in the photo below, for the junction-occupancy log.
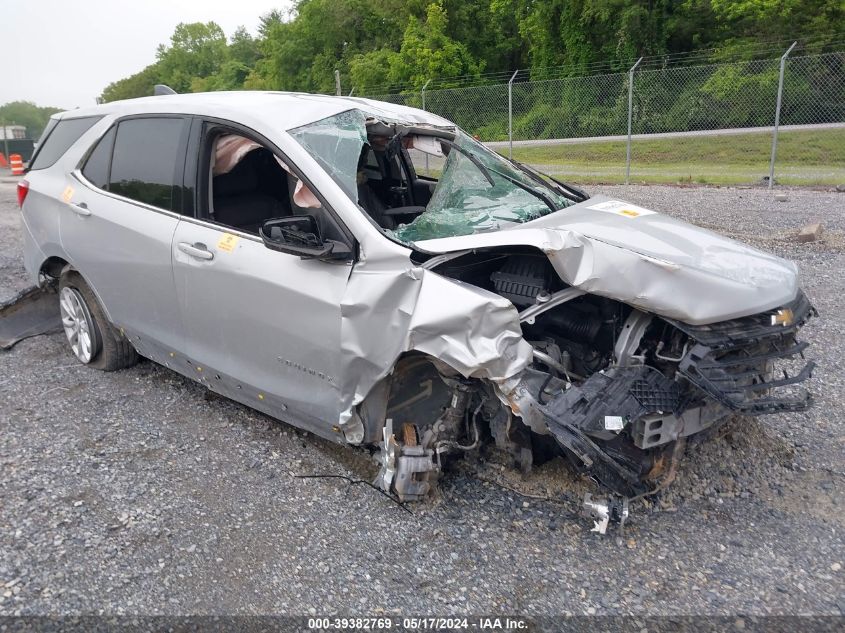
(78, 324)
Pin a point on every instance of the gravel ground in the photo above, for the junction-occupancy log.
(139, 492)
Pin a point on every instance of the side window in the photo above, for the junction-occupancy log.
(243, 184)
(249, 184)
(62, 135)
(96, 168)
(146, 158)
(425, 165)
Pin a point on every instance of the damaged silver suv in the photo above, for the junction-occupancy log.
(372, 274)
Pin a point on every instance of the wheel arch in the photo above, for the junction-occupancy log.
(373, 409)
(55, 266)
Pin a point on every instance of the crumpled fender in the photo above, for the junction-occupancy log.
(385, 313)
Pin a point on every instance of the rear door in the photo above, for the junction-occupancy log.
(118, 225)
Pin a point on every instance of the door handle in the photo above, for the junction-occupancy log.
(198, 250)
(80, 208)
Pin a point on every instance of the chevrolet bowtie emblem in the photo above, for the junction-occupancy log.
(783, 317)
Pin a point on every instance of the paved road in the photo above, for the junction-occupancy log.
(659, 135)
(139, 492)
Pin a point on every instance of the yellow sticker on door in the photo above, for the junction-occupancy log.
(67, 194)
(228, 242)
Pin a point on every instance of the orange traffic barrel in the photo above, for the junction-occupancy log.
(3, 162)
(17, 164)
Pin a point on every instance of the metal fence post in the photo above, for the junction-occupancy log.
(630, 116)
(425, 85)
(510, 113)
(337, 82)
(777, 116)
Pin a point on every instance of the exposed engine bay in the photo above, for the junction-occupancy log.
(614, 389)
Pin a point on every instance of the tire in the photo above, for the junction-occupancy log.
(97, 343)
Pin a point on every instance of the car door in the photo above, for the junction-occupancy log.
(119, 223)
(261, 326)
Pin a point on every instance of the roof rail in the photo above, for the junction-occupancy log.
(161, 89)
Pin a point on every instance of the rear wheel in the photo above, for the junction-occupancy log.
(92, 339)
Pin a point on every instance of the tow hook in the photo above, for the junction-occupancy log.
(613, 508)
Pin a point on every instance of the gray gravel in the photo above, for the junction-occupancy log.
(139, 492)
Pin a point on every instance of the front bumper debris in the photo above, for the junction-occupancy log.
(602, 512)
(726, 368)
(31, 312)
(732, 361)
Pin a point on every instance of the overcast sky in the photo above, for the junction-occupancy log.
(63, 53)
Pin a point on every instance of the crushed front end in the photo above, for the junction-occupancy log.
(614, 389)
(669, 380)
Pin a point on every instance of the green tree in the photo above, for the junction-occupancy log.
(197, 50)
(240, 58)
(140, 84)
(371, 70)
(375, 43)
(323, 36)
(579, 33)
(26, 113)
(428, 52)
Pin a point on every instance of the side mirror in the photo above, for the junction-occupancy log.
(300, 235)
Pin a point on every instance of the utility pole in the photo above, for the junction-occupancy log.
(5, 140)
(337, 82)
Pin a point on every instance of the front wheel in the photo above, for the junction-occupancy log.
(92, 339)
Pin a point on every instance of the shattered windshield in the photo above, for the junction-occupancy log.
(478, 190)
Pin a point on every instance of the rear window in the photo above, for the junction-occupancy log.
(145, 159)
(96, 168)
(58, 140)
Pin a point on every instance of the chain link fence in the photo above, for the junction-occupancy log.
(705, 123)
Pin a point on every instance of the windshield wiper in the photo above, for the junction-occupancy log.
(543, 196)
(573, 193)
(472, 158)
(486, 171)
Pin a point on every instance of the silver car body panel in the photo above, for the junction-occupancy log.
(308, 339)
(648, 260)
(269, 318)
(123, 251)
